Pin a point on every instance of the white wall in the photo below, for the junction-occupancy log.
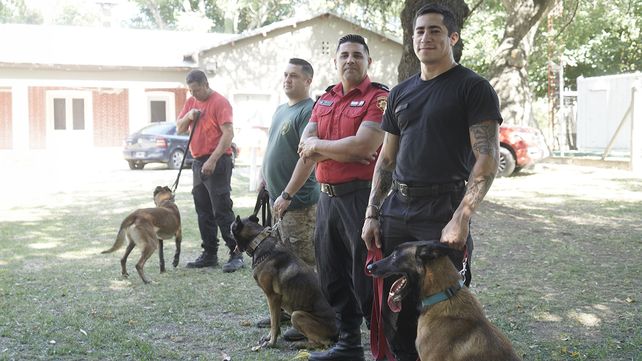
(602, 103)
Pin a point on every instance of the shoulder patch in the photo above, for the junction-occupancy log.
(382, 103)
(380, 86)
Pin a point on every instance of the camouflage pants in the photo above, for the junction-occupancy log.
(297, 232)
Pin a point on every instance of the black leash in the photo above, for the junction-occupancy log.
(263, 205)
(189, 140)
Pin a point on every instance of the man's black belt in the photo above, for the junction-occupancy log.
(337, 190)
(427, 190)
(204, 158)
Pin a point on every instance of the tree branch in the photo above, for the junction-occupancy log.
(568, 23)
(478, 4)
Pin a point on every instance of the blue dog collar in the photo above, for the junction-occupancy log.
(447, 294)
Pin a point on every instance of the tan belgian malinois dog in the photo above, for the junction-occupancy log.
(288, 283)
(146, 228)
(452, 325)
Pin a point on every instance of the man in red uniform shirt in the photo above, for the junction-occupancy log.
(342, 139)
(212, 168)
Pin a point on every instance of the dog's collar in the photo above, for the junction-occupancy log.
(447, 294)
(254, 244)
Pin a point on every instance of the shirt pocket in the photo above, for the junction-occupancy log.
(323, 117)
(352, 119)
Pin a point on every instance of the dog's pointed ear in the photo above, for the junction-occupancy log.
(253, 218)
(157, 190)
(237, 225)
(429, 250)
(166, 189)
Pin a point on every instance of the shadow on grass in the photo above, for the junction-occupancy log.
(557, 272)
(562, 281)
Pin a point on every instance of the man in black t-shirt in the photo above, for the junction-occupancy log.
(439, 157)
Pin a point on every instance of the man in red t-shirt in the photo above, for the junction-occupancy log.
(342, 139)
(212, 168)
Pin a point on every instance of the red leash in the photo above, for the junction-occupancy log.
(378, 343)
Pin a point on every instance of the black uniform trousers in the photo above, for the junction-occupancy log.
(341, 255)
(213, 203)
(405, 219)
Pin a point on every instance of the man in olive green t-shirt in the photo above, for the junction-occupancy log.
(289, 120)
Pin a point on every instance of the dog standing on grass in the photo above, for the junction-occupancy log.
(146, 228)
(288, 283)
(451, 325)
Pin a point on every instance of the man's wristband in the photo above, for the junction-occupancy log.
(375, 214)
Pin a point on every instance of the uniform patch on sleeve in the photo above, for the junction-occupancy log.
(382, 102)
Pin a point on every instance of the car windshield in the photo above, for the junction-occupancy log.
(164, 128)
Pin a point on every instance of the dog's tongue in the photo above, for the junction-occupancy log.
(394, 300)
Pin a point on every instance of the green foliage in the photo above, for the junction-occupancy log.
(602, 38)
(482, 32)
(16, 11)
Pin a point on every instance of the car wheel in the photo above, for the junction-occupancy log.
(506, 163)
(175, 159)
(135, 165)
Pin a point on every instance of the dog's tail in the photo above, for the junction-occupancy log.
(122, 235)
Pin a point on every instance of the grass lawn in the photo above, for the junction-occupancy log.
(555, 265)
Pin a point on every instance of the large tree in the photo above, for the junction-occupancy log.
(409, 63)
(508, 69)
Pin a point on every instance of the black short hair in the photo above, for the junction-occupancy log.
(196, 76)
(449, 17)
(305, 66)
(353, 38)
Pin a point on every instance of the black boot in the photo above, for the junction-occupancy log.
(348, 348)
(206, 259)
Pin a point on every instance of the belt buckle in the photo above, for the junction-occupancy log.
(327, 189)
(403, 189)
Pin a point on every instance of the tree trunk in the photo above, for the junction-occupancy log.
(154, 10)
(508, 69)
(409, 64)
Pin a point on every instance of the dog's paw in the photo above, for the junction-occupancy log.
(263, 343)
(175, 263)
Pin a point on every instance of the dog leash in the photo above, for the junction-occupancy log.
(189, 140)
(263, 205)
(378, 343)
(464, 264)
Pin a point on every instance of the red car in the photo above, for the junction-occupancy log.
(520, 148)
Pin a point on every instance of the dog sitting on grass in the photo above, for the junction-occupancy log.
(146, 228)
(288, 283)
(452, 325)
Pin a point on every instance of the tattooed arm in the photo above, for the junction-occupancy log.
(381, 184)
(484, 139)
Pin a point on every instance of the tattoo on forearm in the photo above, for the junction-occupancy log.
(382, 187)
(477, 189)
(371, 124)
(485, 139)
